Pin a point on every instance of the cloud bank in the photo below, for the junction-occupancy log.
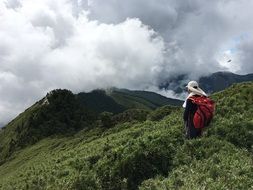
(83, 45)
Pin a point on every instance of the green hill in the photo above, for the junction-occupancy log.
(58, 113)
(62, 112)
(140, 149)
(99, 101)
(141, 99)
(117, 100)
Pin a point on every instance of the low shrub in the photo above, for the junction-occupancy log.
(161, 112)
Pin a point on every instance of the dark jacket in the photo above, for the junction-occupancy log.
(190, 109)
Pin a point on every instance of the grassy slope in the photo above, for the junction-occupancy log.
(118, 100)
(9, 132)
(67, 112)
(62, 114)
(125, 156)
(98, 101)
(222, 160)
(129, 101)
(141, 99)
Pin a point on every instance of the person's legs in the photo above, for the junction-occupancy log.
(199, 132)
(187, 131)
(193, 132)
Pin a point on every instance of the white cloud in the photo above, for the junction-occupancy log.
(82, 45)
(45, 47)
(195, 31)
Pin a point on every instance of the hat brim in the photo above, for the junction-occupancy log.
(198, 91)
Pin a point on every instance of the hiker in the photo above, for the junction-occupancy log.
(198, 110)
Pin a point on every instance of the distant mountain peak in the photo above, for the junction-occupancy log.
(211, 83)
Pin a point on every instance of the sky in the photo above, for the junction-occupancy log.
(137, 44)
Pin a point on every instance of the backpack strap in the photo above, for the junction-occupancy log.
(193, 98)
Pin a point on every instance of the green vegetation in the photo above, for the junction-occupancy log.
(208, 163)
(141, 99)
(118, 100)
(161, 112)
(98, 101)
(136, 149)
(58, 113)
(131, 115)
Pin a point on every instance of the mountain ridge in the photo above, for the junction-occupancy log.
(211, 83)
(61, 112)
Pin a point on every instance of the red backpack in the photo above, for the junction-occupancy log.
(204, 112)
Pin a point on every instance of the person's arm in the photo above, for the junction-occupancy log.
(188, 109)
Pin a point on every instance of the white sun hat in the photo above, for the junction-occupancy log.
(193, 86)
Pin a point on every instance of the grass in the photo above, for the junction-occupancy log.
(150, 154)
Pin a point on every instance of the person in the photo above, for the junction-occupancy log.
(190, 109)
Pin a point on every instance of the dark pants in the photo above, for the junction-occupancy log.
(191, 132)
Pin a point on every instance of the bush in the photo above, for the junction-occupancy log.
(86, 181)
(106, 119)
(207, 164)
(240, 134)
(131, 115)
(142, 158)
(161, 112)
